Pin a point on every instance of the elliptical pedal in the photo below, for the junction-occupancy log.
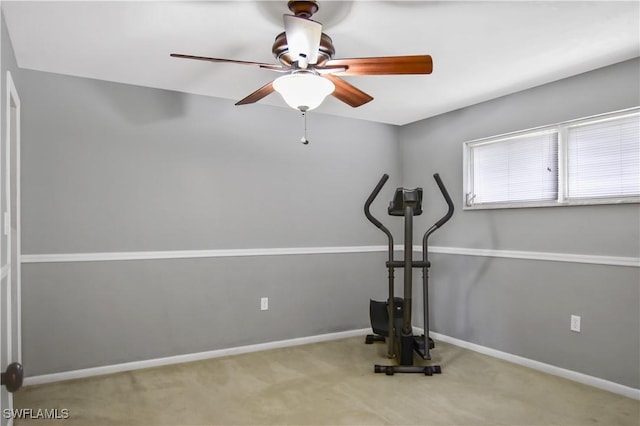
(372, 338)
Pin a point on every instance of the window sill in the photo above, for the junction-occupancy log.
(566, 203)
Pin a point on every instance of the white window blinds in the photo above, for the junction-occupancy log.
(520, 168)
(603, 158)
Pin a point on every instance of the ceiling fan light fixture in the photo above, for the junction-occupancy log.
(303, 91)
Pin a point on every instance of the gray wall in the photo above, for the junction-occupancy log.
(124, 168)
(523, 306)
(80, 315)
(112, 168)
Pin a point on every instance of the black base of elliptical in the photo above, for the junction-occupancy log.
(390, 370)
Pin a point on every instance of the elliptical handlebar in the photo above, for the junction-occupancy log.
(371, 198)
(447, 198)
(443, 219)
(372, 219)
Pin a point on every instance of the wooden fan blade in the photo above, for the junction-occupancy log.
(385, 65)
(262, 92)
(348, 93)
(232, 61)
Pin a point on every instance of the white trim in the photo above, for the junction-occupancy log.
(178, 359)
(575, 376)
(563, 181)
(569, 202)
(12, 96)
(184, 254)
(536, 255)
(4, 271)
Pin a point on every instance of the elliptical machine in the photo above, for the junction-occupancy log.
(391, 320)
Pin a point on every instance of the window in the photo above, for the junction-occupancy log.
(586, 161)
(603, 158)
(516, 169)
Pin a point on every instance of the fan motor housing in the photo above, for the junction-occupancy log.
(303, 8)
(280, 50)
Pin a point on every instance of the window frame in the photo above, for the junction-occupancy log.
(562, 199)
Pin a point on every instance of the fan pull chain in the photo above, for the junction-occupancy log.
(304, 139)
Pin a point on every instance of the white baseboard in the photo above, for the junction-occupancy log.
(178, 359)
(596, 382)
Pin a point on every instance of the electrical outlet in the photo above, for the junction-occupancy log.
(575, 323)
(264, 304)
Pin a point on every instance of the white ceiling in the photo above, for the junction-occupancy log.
(481, 50)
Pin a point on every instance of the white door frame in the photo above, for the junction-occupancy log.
(13, 105)
(12, 268)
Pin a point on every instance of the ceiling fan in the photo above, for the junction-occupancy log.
(310, 73)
